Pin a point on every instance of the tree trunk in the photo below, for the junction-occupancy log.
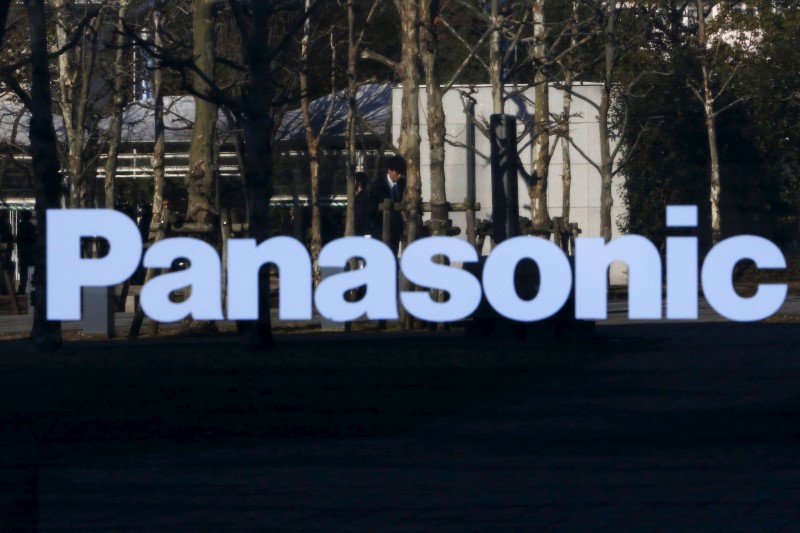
(606, 162)
(44, 156)
(158, 117)
(200, 180)
(715, 189)
(257, 131)
(566, 160)
(409, 117)
(120, 85)
(566, 111)
(429, 12)
(352, 109)
(76, 71)
(312, 144)
(496, 58)
(541, 145)
(711, 128)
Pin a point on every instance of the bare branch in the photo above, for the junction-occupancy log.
(732, 104)
(17, 89)
(466, 44)
(375, 56)
(457, 144)
(73, 41)
(471, 55)
(582, 153)
(571, 90)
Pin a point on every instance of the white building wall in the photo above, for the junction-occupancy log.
(585, 189)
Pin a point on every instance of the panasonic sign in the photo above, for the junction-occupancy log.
(68, 272)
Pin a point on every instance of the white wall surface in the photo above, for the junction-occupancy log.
(585, 189)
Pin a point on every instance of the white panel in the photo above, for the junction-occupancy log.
(579, 189)
(581, 217)
(554, 188)
(592, 146)
(594, 182)
(592, 228)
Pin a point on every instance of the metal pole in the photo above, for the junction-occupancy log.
(505, 203)
(470, 199)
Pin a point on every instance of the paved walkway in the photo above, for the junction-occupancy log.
(617, 314)
(700, 431)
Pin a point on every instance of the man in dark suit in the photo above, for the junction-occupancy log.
(391, 185)
(26, 248)
(6, 247)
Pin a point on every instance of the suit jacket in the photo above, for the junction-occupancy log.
(377, 194)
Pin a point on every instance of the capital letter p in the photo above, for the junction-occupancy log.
(67, 272)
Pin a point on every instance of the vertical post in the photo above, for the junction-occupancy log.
(505, 203)
(98, 311)
(470, 199)
(225, 233)
(558, 228)
(387, 236)
(388, 207)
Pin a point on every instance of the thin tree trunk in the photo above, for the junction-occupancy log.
(76, 71)
(715, 185)
(409, 117)
(566, 111)
(312, 144)
(496, 58)
(200, 180)
(66, 84)
(541, 145)
(606, 162)
(429, 12)
(120, 84)
(352, 109)
(566, 159)
(158, 117)
(711, 128)
(44, 155)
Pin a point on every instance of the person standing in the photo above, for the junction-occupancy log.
(26, 245)
(6, 245)
(392, 185)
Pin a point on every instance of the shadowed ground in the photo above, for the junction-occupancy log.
(658, 427)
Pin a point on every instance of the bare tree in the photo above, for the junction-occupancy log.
(121, 84)
(254, 111)
(201, 178)
(352, 111)
(407, 71)
(353, 45)
(158, 114)
(76, 74)
(312, 137)
(541, 144)
(615, 43)
(429, 31)
(44, 154)
(566, 111)
(708, 96)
